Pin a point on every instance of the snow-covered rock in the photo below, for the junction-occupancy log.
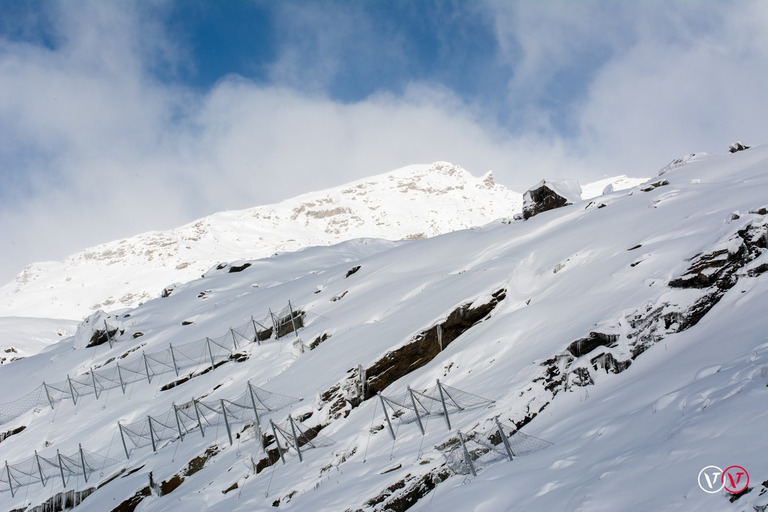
(97, 329)
(550, 194)
(628, 342)
(737, 146)
(680, 161)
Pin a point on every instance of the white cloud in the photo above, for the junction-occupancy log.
(648, 80)
(699, 92)
(93, 148)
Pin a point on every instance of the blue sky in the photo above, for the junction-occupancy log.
(123, 117)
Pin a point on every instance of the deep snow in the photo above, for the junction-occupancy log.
(634, 440)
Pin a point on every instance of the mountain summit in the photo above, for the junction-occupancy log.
(416, 201)
(601, 355)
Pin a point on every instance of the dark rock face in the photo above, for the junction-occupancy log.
(403, 494)
(289, 323)
(548, 195)
(101, 336)
(424, 347)
(238, 268)
(737, 146)
(586, 345)
(419, 351)
(542, 199)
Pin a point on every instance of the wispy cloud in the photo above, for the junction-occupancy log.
(94, 146)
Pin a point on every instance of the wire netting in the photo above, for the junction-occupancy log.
(159, 430)
(430, 402)
(14, 409)
(41, 469)
(143, 366)
(305, 437)
(486, 447)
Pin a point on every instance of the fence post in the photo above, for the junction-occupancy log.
(197, 413)
(467, 458)
(82, 460)
(39, 469)
(93, 379)
(10, 482)
(120, 377)
(226, 422)
(256, 331)
(504, 439)
(295, 439)
(445, 391)
(416, 410)
(173, 359)
(293, 322)
(277, 441)
(122, 437)
(61, 468)
(234, 341)
(178, 423)
(146, 366)
(386, 416)
(256, 414)
(210, 352)
(152, 434)
(442, 400)
(47, 394)
(71, 390)
(106, 331)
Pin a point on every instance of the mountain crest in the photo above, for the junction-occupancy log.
(417, 201)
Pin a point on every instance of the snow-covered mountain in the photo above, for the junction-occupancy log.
(619, 343)
(417, 201)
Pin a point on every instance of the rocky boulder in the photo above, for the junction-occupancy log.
(737, 146)
(550, 194)
(97, 329)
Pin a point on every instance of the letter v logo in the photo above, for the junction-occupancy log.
(710, 480)
(735, 479)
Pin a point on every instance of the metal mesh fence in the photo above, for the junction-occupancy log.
(155, 431)
(40, 469)
(147, 365)
(11, 410)
(440, 399)
(200, 415)
(298, 437)
(478, 449)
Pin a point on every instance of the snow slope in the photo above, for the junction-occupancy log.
(417, 201)
(413, 202)
(22, 337)
(626, 330)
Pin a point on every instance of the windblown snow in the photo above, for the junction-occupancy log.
(620, 343)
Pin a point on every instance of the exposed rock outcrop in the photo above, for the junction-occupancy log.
(550, 194)
(737, 146)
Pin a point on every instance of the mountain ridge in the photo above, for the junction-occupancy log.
(617, 344)
(415, 201)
